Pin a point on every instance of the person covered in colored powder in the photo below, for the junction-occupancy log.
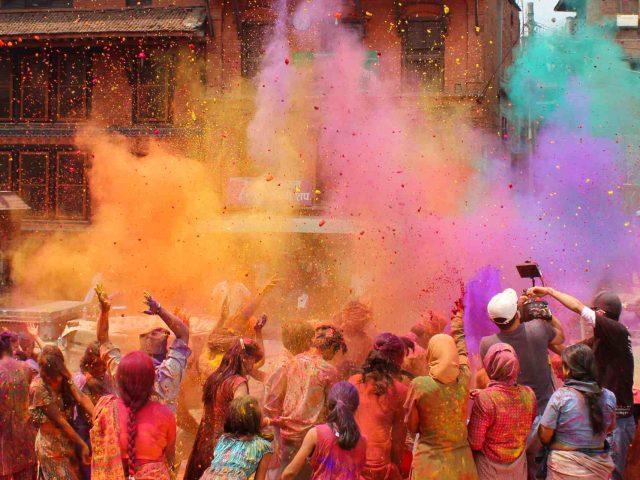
(133, 436)
(354, 320)
(229, 381)
(437, 408)
(296, 336)
(577, 420)
(170, 363)
(17, 436)
(429, 325)
(26, 351)
(336, 450)
(297, 398)
(611, 344)
(501, 418)
(531, 341)
(93, 381)
(241, 452)
(228, 329)
(52, 400)
(380, 416)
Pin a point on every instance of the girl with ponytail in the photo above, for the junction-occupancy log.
(143, 431)
(577, 420)
(336, 449)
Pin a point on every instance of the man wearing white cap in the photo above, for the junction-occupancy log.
(531, 341)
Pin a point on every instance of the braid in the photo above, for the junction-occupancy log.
(132, 433)
(596, 415)
(135, 378)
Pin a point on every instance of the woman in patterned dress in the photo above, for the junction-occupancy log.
(52, 399)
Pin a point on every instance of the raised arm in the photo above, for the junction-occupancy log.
(177, 326)
(260, 340)
(224, 315)
(565, 299)
(102, 326)
(247, 311)
(457, 329)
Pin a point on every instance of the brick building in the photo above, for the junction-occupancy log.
(622, 13)
(148, 69)
(623, 16)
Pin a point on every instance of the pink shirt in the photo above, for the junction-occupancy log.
(156, 430)
(330, 462)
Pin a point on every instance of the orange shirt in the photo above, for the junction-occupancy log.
(381, 421)
(156, 430)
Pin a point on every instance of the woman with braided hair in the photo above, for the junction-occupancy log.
(132, 436)
(577, 420)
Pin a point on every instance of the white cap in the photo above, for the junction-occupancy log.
(503, 305)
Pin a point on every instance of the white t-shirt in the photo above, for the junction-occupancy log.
(589, 316)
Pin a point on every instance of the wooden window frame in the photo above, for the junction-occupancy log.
(53, 186)
(84, 87)
(84, 185)
(47, 109)
(168, 91)
(47, 209)
(247, 67)
(413, 56)
(11, 79)
(9, 156)
(54, 62)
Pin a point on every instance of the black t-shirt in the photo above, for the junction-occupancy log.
(531, 342)
(611, 346)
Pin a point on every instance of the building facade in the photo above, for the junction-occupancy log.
(621, 13)
(150, 71)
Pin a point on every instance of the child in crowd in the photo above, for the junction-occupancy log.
(241, 451)
(336, 449)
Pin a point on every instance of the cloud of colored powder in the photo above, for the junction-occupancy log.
(431, 200)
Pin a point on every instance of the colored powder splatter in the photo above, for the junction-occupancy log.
(434, 196)
(479, 291)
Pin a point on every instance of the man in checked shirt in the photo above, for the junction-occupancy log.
(170, 363)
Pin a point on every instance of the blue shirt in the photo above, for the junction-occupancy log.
(568, 414)
(235, 458)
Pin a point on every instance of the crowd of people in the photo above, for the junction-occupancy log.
(339, 404)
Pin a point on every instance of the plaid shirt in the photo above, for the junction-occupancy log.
(169, 372)
(500, 422)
